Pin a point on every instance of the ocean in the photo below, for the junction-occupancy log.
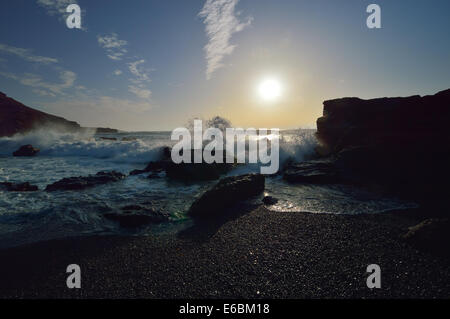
(36, 216)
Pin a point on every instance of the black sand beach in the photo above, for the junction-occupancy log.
(261, 254)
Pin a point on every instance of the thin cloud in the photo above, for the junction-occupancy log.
(113, 45)
(140, 80)
(141, 75)
(140, 92)
(221, 23)
(116, 50)
(26, 54)
(42, 87)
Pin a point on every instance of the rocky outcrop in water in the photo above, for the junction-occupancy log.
(26, 151)
(400, 143)
(228, 191)
(79, 183)
(198, 171)
(21, 187)
(404, 123)
(311, 172)
(269, 200)
(158, 166)
(186, 172)
(135, 216)
(106, 130)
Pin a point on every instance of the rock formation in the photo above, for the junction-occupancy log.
(228, 191)
(400, 143)
(26, 151)
(82, 182)
(18, 118)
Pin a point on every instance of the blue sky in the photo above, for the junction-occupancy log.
(153, 65)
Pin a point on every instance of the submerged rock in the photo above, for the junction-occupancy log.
(135, 220)
(156, 166)
(22, 187)
(109, 138)
(197, 172)
(313, 172)
(228, 191)
(432, 235)
(26, 150)
(79, 183)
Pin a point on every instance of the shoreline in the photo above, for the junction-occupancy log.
(257, 254)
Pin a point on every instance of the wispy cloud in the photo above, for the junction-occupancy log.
(26, 54)
(56, 7)
(113, 45)
(42, 87)
(141, 75)
(140, 92)
(140, 80)
(116, 50)
(221, 23)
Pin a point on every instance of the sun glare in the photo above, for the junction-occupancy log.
(270, 89)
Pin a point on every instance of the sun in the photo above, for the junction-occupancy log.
(270, 89)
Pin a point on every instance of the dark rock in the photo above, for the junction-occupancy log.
(108, 138)
(313, 172)
(269, 200)
(105, 130)
(26, 151)
(431, 235)
(154, 175)
(384, 122)
(137, 172)
(156, 166)
(401, 144)
(228, 191)
(18, 118)
(132, 207)
(22, 187)
(135, 220)
(197, 172)
(78, 183)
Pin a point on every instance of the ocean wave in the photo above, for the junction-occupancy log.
(295, 145)
(58, 144)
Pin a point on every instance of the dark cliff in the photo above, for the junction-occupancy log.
(401, 143)
(386, 122)
(18, 118)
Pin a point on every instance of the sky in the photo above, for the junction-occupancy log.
(147, 65)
